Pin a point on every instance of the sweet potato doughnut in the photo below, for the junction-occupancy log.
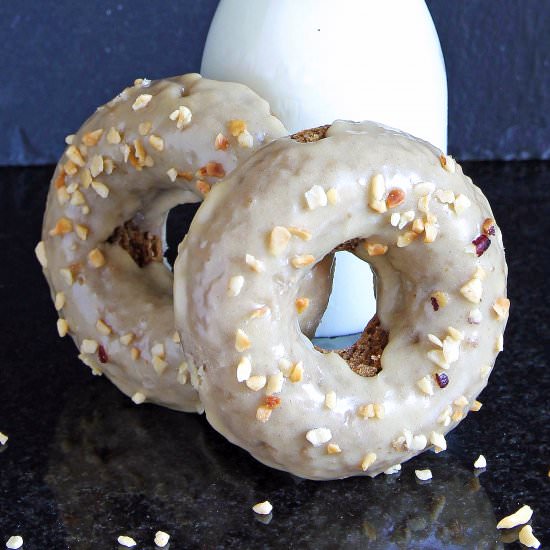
(156, 145)
(425, 229)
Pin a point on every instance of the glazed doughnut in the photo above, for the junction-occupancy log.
(156, 145)
(425, 229)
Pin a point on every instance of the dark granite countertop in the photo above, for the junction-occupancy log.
(83, 465)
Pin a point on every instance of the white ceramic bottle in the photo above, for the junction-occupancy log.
(320, 60)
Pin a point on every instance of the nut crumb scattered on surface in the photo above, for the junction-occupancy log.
(14, 542)
(3, 438)
(527, 538)
(263, 508)
(124, 540)
(161, 539)
(480, 462)
(523, 515)
(423, 475)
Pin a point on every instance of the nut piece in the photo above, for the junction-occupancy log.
(91, 138)
(245, 139)
(14, 542)
(501, 308)
(156, 142)
(138, 398)
(368, 461)
(480, 462)
(129, 542)
(62, 327)
(3, 438)
(301, 261)
(522, 516)
(88, 346)
(113, 136)
(255, 264)
(62, 227)
(316, 197)
(221, 143)
(263, 413)
(161, 539)
(333, 196)
(297, 372)
(425, 385)
(527, 538)
(375, 249)
(244, 369)
(182, 115)
(96, 258)
(303, 234)
(141, 101)
(263, 508)
(438, 441)
(278, 240)
(461, 203)
(274, 383)
(242, 342)
(333, 449)
(101, 189)
(319, 436)
(40, 252)
(377, 189)
(301, 304)
(127, 339)
(235, 285)
(395, 197)
(472, 290)
(448, 163)
(59, 301)
(330, 400)
(423, 475)
(256, 383)
(406, 239)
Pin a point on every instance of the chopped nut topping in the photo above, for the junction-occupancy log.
(245, 139)
(127, 339)
(393, 469)
(62, 227)
(418, 226)
(319, 436)
(379, 410)
(297, 372)
(274, 383)
(435, 340)
(480, 462)
(255, 264)
(527, 538)
(101, 189)
(285, 367)
(303, 234)
(78, 199)
(256, 383)
(176, 337)
(366, 411)
(75, 156)
(67, 275)
(82, 231)
(330, 400)
(62, 195)
(501, 308)
(138, 398)
(88, 346)
(395, 198)
(499, 344)
(461, 203)
(333, 449)
(144, 128)
(182, 115)
(221, 143)
(263, 508)
(301, 304)
(375, 249)
(445, 417)
(242, 342)
(14, 542)
(103, 327)
(181, 377)
(333, 196)
(86, 177)
(437, 357)
(448, 163)
(455, 334)
(405, 218)
(141, 101)
(235, 285)
(301, 261)
(406, 239)
(395, 218)
(430, 232)
(135, 354)
(96, 165)
(476, 405)
(263, 412)
(368, 461)
(236, 127)
(425, 385)
(418, 442)
(439, 299)
(156, 142)
(438, 441)
(62, 327)
(457, 416)
(278, 240)
(159, 364)
(424, 204)
(70, 168)
(172, 173)
(69, 139)
(424, 188)
(259, 313)
(488, 227)
(96, 258)
(159, 350)
(3, 438)
(445, 196)
(522, 516)
(113, 136)
(472, 290)
(40, 252)
(59, 301)
(203, 187)
(316, 197)
(423, 475)
(91, 138)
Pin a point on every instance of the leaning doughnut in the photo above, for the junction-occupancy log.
(156, 145)
(408, 210)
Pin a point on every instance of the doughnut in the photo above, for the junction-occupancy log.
(430, 237)
(154, 146)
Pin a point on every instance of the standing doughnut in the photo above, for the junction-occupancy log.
(430, 237)
(156, 145)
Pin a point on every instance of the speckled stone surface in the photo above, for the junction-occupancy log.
(84, 465)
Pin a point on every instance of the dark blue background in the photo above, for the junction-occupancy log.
(61, 59)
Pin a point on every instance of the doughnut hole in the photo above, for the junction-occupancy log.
(177, 224)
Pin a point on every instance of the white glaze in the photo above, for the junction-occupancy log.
(269, 190)
(127, 298)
